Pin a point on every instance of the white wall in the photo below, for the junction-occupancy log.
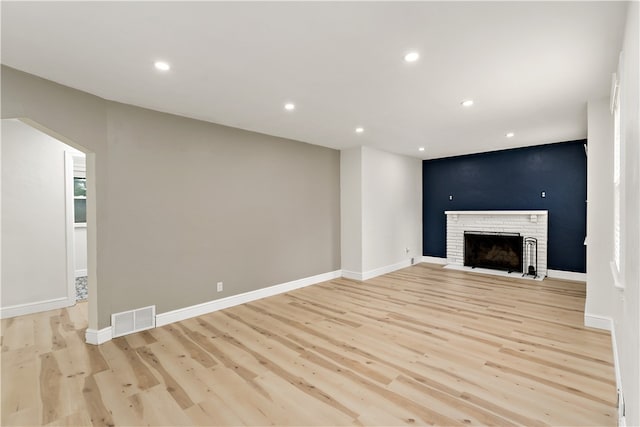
(80, 250)
(389, 216)
(80, 230)
(621, 306)
(34, 249)
(626, 310)
(600, 292)
(392, 208)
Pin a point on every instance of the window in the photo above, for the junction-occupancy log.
(616, 178)
(80, 200)
(616, 264)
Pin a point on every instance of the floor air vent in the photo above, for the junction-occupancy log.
(132, 321)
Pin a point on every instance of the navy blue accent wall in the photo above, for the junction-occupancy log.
(513, 180)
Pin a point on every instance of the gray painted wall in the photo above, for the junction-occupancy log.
(351, 209)
(183, 204)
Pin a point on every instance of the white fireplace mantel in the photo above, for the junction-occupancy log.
(496, 212)
(529, 223)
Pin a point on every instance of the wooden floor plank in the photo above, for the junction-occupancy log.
(420, 346)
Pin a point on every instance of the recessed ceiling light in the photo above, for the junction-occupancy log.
(412, 56)
(509, 134)
(359, 130)
(162, 66)
(421, 149)
(289, 106)
(467, 103)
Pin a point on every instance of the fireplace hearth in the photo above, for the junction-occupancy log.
(498, 251)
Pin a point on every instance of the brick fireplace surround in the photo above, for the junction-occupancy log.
(527, 223)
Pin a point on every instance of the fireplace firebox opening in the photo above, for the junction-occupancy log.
(498, 251)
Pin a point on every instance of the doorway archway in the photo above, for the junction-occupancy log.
(20, 275)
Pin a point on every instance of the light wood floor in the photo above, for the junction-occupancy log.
(423, 345)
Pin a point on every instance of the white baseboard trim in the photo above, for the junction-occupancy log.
(36, 307)
(220, 304)
(98, 336)
(598, 322)
(81, 273)
(386, 269)
(622, 422)
(434, 260)
(353, 275)
(491, 272)
(606, 323)
(567, 275)
(366, 275)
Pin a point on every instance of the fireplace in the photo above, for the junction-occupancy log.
(499, 251)
(532, 224)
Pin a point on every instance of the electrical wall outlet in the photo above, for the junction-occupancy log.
(220, 286)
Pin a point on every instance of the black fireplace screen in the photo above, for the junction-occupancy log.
(499, 251)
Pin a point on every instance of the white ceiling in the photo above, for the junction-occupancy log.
(530, 67)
